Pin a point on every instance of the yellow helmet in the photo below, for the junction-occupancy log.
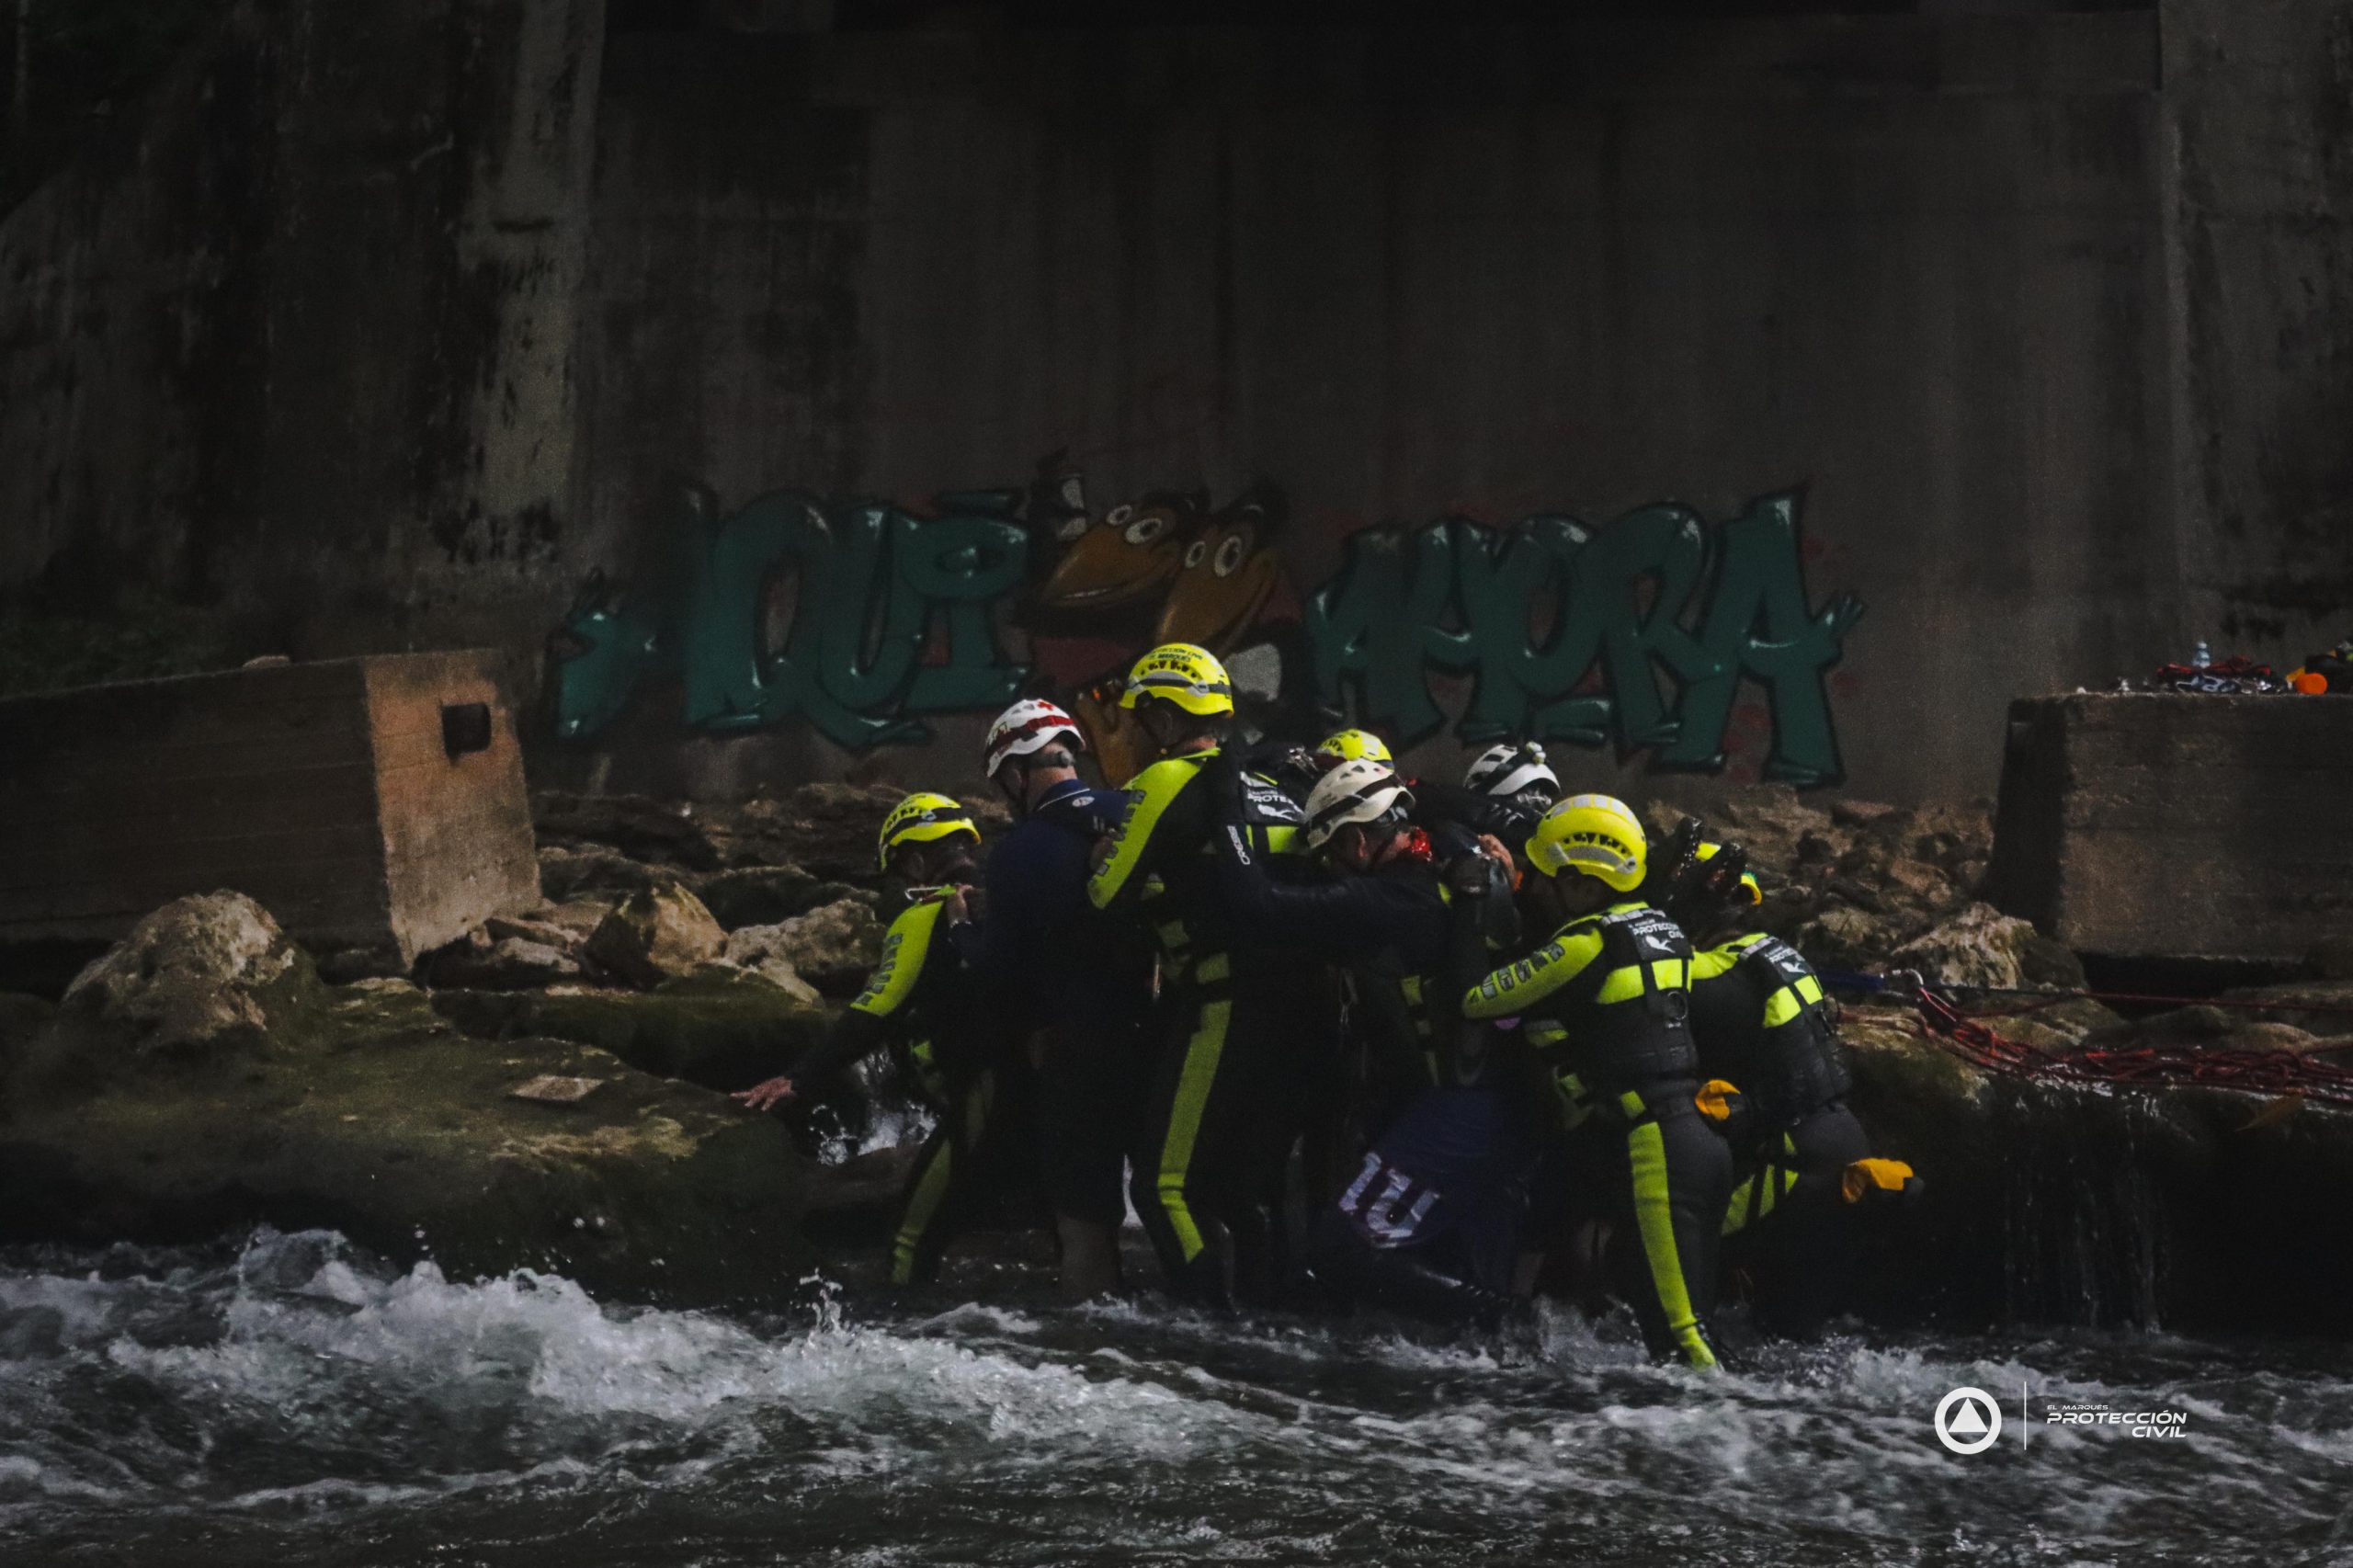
(1181, 673)
(921, 818)
(1749, 887)
(1597, 835)
(1354, 746)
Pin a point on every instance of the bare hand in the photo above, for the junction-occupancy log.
(956, 908)
(766, 1096)
(1493, 848)
(1099, 855)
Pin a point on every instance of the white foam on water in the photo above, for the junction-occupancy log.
(1286, 1423)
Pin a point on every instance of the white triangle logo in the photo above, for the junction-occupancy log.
(1969, 1421)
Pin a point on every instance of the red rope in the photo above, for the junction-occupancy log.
(2255, 1071)
(2041, 999)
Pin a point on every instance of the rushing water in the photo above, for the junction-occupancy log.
(286, 1402)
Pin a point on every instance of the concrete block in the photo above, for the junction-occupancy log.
(2159, 825)
(373, 802)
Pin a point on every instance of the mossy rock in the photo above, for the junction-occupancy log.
(362, 1109)
(719, 1026)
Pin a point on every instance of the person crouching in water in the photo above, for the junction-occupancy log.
(1605, 1006)
(1764, 1027)
(920, 1002)
(1428, 1221)
(1047, 964)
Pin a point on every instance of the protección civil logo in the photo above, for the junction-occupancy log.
(1968, 1421)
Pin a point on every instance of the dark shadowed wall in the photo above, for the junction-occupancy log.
(1776, 397)
(1915, 273)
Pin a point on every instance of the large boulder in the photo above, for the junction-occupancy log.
(833, 948)
(657, 934)
(194, 977)
(283, 1100)
(763, 895)
(1983, 947)
(720, 1026)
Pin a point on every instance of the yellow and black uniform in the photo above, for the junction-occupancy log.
(1761, 1023)
(918, 1001)
(1221, 1116)
(1604, 1005)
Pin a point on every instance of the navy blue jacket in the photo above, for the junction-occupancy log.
(1047, 960)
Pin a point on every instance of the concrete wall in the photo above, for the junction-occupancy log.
(2259, 126)
(1915, 271)
(298, 340)
(2033, 325)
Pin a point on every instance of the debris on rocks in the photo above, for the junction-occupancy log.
(553, 1089)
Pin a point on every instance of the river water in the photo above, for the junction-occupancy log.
(281, 1399)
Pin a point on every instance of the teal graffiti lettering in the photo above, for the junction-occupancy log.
(884, 615)
(1375, 624)
(1637, 635)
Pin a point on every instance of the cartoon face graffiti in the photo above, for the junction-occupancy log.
(1130, 557)
(1228, 579)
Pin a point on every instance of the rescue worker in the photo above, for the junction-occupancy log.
(1351, 745)
(1047, 963)
(1296, 769)
(1604, 1005)
(1507, 789)
(1763, 1025)
(1222, 1110)
(919, 1001)
(1427, 1221)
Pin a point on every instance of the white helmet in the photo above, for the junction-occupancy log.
(1029, 726)
(1359, 790)
(1509, 768)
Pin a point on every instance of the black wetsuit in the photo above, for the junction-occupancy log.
(1604, 1005)
(919, 1001)
(1238, 1019)
(1763, 1025)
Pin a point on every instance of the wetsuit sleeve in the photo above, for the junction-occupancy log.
(1333, 920)
(853, 1035)
(1713, 963)
(1157, 797)
(912, 942)
(907, 947)
(1520, 987)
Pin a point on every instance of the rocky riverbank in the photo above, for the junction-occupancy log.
(548, 1092)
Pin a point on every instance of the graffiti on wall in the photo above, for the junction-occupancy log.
(859, 618)
(853, 618)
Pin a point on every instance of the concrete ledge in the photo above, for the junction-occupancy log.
(2152, 825)
(374, 803)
